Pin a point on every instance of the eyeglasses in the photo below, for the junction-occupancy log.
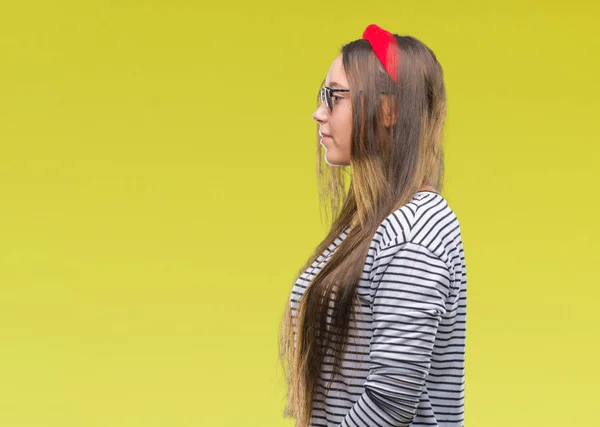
(326, 96)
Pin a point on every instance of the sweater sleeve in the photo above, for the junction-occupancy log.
(409, 289)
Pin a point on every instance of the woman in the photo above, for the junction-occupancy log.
(380, 307)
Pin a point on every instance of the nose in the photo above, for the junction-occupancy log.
(320, 115)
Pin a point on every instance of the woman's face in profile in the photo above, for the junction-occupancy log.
(335, 127)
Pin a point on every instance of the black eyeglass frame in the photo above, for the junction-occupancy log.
(326, 95)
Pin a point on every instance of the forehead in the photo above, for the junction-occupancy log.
(336, 76)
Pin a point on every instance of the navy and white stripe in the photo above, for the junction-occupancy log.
(405, 363)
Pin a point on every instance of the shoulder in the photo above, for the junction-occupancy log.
(427, 221)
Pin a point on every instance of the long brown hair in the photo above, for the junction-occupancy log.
(389, 164)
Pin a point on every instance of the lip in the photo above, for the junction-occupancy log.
(324, 135)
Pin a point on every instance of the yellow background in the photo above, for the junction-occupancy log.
(158, 197)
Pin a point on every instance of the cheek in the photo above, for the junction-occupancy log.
(346, 129)
(342, 125)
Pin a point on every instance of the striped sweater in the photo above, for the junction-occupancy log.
(405, 362)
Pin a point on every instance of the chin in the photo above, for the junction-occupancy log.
(332, 161)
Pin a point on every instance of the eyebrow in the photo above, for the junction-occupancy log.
(334, 84)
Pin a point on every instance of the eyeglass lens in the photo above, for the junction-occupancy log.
(326, 98)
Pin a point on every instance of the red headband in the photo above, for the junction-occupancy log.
(385, 47)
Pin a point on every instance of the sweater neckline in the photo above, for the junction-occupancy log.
(428, 191)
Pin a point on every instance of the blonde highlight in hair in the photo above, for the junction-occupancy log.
(389, 163)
